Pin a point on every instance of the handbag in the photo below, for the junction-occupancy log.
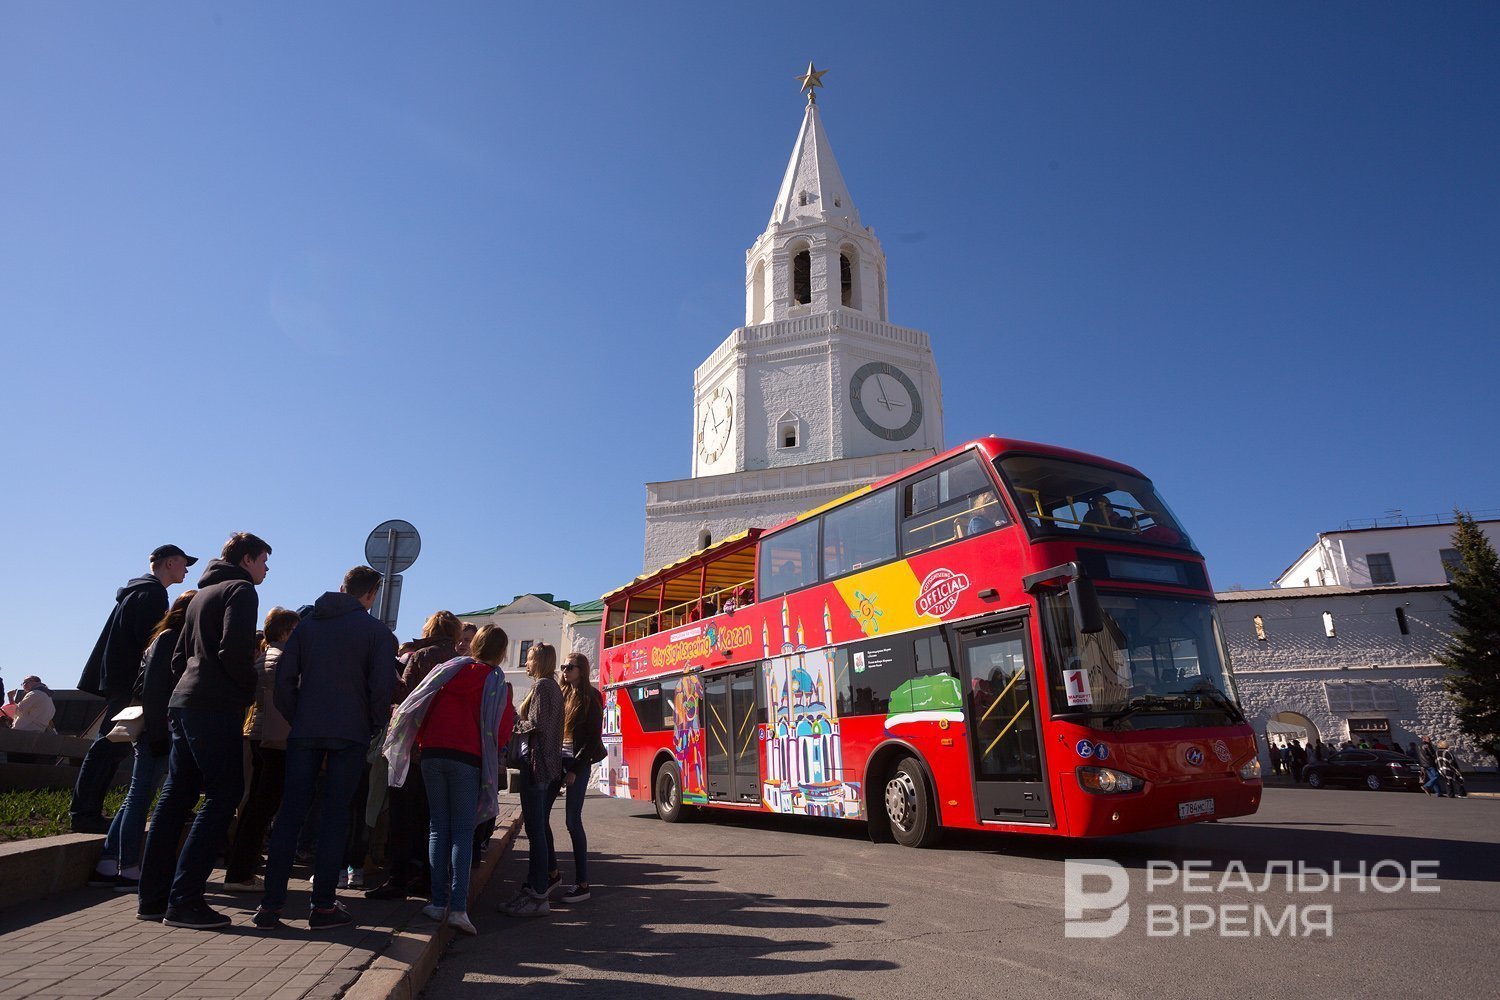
(518, 751)
(594, 754)
(129, 725)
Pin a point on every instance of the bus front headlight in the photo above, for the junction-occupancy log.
(1108, 781)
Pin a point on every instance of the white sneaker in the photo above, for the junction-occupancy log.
(355, 878)
(460, 920)
(435, 912)
(529, 906)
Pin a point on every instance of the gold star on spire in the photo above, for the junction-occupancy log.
(811, 79)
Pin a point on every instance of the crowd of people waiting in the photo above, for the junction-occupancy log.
(339, 726)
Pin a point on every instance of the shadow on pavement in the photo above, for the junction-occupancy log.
(658, 918)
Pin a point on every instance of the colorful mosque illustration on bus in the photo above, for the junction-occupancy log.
(802, 743)
(612, 775)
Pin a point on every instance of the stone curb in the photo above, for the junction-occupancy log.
(401, 971)
(44, 866)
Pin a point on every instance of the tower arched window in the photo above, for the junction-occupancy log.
(848, 279)
(802, 278)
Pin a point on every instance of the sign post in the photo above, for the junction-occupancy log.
(391, 549)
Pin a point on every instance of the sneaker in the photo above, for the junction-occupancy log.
(553, 881)
(198, 916)
(528, 906)
(575, 894)
(99, 880)
(251, 885)
(354, 878)
(266, 919)
(336, 917)
(460, 920)
(344, 878)
(388, 890)
(155, 916)
(435, 912)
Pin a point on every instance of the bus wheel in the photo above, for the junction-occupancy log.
(909, 806)
(669, 793)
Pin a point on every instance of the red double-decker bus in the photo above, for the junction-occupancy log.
(1008, 636)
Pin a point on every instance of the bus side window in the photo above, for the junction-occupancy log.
(859, 534)
(932, 655)
(647, 701)
(878, 678)
(955, 500)
(789, 559)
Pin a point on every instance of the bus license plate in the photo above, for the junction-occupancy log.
(1197, 807)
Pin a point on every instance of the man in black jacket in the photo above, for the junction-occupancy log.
(333, 682)
(215, 665)
(111, 672)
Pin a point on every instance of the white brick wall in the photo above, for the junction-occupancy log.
(1286, 672)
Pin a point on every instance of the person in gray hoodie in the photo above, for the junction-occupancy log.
(214, 661)
(333, 682)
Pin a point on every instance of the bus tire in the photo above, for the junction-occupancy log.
(668, 793)
(908, 806)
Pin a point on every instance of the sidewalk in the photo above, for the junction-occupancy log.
(88, 943)
(1480, 784)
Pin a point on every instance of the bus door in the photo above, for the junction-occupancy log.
(1004, 723)
(733, 731)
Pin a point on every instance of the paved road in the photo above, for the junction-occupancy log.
(768, 906)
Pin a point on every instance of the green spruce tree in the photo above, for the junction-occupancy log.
(1473, 654)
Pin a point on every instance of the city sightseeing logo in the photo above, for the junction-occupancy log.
(939, 593)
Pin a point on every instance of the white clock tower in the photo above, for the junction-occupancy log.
(817, 394)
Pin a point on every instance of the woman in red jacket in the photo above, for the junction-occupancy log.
(460, 741)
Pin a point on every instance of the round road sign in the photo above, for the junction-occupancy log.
(378, 547)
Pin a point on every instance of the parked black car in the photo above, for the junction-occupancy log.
(1372, 769)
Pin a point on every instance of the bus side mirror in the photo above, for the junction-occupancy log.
(1086, 610)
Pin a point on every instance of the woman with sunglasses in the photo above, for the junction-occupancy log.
(582, 748)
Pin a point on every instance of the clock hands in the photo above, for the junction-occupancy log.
(880, 385)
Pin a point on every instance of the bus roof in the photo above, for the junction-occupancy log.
(993, 447)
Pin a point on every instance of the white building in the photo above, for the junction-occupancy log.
(1393, 551)
(1353, 658)
(817, 394)
(533, 618)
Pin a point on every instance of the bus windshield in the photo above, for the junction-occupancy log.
(1158, 663)
(1060, 497)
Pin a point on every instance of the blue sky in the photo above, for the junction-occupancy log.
(297, 269)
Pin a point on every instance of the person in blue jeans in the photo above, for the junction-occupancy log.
(461, 711)
(113, 673)
(214, 661)
(539, 724)
(119, 865)
(1427, 757)
(333, 682)
(582, 747)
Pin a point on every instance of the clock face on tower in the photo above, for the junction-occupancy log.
(714, 425)
(886, 401)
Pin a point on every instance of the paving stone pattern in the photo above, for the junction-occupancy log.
(88, 943)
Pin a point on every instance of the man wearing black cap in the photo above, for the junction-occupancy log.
(111, 672)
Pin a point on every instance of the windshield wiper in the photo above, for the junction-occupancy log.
(1140, 703)
(1219, 698)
